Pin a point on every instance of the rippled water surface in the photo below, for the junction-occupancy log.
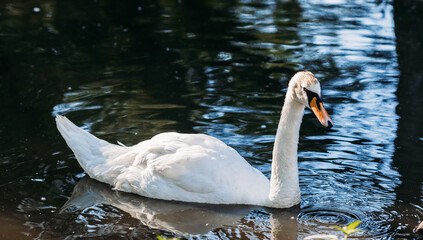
(129, 70)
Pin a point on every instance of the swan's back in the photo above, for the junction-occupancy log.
(170, 166)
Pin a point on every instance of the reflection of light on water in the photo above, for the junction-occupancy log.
(65, 108)
(356, 169)
(224, 56)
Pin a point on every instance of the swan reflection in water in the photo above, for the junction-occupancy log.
(184, 218)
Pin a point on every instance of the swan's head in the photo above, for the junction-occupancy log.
(305, 89)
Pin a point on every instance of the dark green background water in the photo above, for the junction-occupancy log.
(127, 70)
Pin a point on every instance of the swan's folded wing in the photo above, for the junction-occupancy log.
(167, 171)
(191, 167)
(176, 166)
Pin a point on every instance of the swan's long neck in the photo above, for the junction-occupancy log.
(284, 184)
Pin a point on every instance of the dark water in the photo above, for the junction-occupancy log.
(129, 70)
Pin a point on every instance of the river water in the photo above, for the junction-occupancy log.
(127, 71)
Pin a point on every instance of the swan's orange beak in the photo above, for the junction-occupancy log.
(316, 106)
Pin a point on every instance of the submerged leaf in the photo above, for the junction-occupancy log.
(165, 238)
(353, 225)
(350, 228)
(354, 231)
(340, 229)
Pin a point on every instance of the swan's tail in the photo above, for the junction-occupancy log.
(93, 154)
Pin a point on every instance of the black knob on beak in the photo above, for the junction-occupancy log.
(330, 125)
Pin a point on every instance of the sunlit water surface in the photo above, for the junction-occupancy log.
(129, 71)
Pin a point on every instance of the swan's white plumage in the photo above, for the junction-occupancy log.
(201, 168)
(171, 166)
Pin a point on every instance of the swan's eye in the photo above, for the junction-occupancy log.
(312, 95)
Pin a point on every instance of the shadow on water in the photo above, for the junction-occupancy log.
(409, 142)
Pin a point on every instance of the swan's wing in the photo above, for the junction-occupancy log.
(188, 167)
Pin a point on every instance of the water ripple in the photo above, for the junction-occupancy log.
(325, 217)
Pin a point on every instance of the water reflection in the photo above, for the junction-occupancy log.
(180, 218)
(91, 198)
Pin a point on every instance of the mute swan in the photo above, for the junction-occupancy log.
(201, 168)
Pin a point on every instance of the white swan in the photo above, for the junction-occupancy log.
(201, 168)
